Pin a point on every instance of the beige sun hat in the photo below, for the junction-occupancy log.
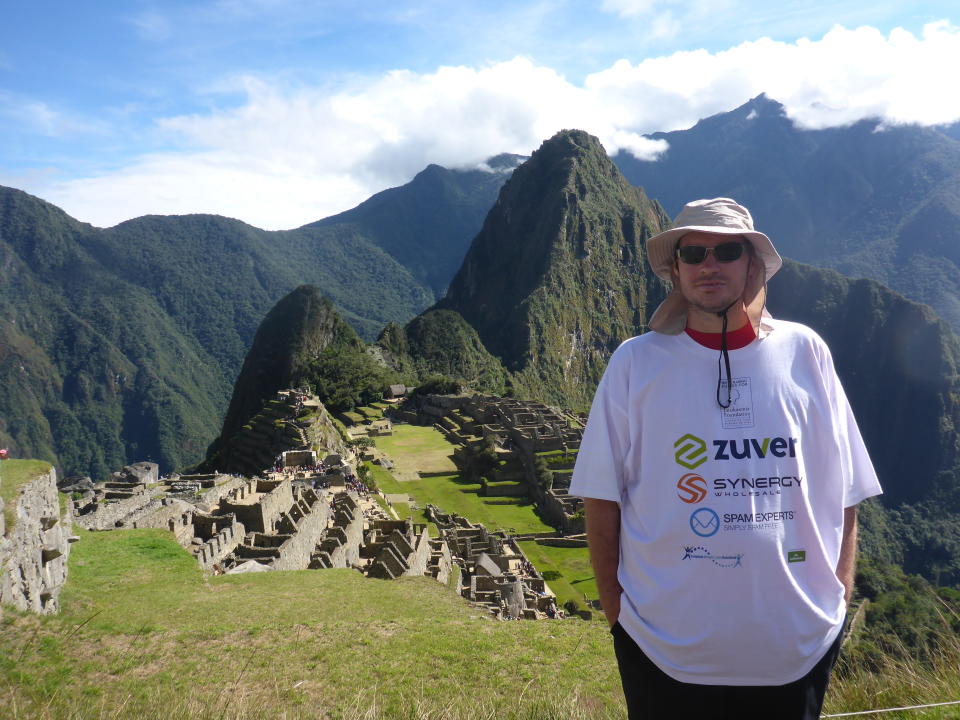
(720, 216)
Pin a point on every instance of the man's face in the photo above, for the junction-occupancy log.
(712, 286)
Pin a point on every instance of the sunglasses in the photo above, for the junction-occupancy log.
(696, 254)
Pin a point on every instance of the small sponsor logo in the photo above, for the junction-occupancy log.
(756, 486)
(794, 556)
(701, 553)
(704, 522)
(756, 521)
(691, 451)
(691, 488)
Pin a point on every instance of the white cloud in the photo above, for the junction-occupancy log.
(40, 118)
(151, 25)
(285, 156)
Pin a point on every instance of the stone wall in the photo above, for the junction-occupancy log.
(224, 542)
(170, 514)
(110, 514)
(261, 516)
(34, 551)
(340, 545)
(296, 552)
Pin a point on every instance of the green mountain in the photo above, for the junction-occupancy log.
(441, 342)
(900, 366)
(427, 224)
(870, 200)
(557, 276)
(302, 341)
(122, 344)
(289, 340)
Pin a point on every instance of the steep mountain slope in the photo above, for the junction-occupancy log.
(122, 344)
(899, 365)
(442, 342)
(94, 371)
(300, 329)
(291, 337)
(869, 200)
(427, 224)
(557, 277)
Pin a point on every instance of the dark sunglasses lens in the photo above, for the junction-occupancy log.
(728, 252)
(696, 254)
(692, 254)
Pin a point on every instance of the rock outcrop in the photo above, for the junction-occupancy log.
(34, 550)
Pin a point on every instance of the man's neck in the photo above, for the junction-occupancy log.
(710, 322)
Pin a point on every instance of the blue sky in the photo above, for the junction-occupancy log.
(280, 112)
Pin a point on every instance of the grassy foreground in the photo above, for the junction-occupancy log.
(143, 633)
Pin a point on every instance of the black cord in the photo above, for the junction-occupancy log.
(725, 357)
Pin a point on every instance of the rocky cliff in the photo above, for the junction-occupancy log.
(35, 547)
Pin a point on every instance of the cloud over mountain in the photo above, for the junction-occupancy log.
(286, 155)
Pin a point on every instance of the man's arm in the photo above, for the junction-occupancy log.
(603, 537)
(848, 551)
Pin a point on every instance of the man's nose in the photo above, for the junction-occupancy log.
(710, 261)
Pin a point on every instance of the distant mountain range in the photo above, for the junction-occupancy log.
(123, 344)
(869, 200)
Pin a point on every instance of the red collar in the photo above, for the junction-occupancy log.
(736, 339)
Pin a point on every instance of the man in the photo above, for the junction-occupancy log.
(720, 469)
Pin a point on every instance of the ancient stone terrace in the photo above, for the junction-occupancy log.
(522, 432)
(339, 547)
(495, 573)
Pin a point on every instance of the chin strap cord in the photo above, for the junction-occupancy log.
(725, 360)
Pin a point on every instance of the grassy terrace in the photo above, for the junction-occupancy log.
(422, 448)
(414, 447)
(143, 634)
(14, 474)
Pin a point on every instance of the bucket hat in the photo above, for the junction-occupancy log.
(720, 216)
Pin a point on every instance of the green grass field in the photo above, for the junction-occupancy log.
(576, 581)
(416, 447)
(143, 634)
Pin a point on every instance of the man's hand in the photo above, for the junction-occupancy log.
(603, 537)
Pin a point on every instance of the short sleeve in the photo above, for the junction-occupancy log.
(599, 469)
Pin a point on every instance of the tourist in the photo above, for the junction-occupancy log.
(721, 468)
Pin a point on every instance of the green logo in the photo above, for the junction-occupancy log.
(796, 556)
(691, 451)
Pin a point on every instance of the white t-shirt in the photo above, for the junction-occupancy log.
(731, 519)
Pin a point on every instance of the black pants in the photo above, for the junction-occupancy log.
(653, 695)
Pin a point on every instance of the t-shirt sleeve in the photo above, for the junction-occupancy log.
(598, 472)
(859, 477)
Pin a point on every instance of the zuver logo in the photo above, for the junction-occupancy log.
(752, 447)
(691, 451)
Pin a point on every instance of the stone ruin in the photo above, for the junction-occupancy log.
(519, 430)
(285, 521)
(303, 514)
(35, 548)
(494, 572)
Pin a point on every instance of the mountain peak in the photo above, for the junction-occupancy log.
(564, 240)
